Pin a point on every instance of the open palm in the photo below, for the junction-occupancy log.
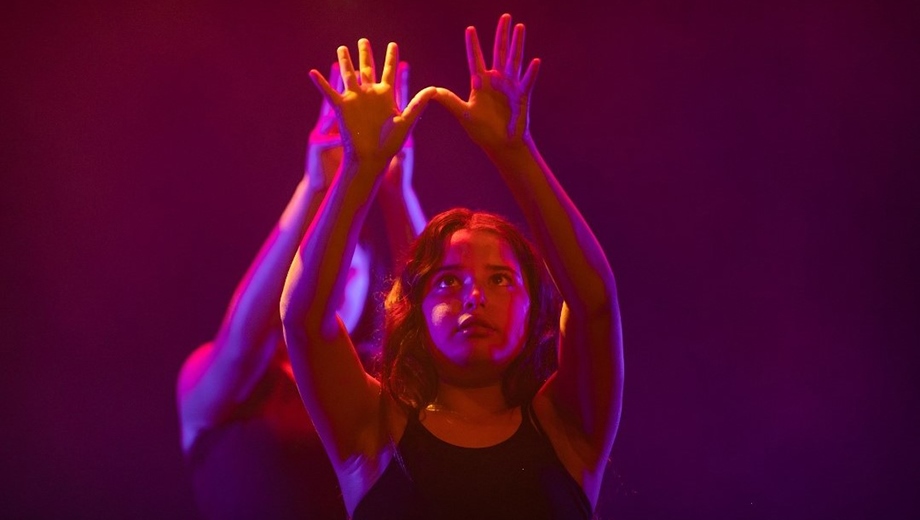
(372, 126)
(496, 114)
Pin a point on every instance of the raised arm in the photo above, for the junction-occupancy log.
(344, 401)
(402, 211)
(586, 391)
(221, 374)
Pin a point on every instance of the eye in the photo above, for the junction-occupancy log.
(501, 279)
(446, 281)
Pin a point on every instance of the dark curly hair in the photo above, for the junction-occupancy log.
(407, 371)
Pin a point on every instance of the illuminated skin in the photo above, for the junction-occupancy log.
(578, 406)
(476, 309)
(353, 298)
(221, 374)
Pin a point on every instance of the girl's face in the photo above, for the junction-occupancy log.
(476, 307)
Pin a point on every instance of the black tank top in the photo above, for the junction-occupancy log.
(266, 461)
(520, 477)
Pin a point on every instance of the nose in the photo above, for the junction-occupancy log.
(475, 297)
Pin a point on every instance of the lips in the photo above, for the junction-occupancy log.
(468, 324)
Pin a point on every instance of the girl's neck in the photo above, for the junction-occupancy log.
(471, 417)
(470, 403)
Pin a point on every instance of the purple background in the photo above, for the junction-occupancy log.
(750, 169)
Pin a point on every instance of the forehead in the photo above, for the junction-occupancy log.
(478, 245)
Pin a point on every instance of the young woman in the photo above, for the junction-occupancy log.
(251, 447)
(464, 422)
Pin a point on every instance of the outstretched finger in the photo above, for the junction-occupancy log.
(335, 78)
(335, 81)
(326, 120)
(517, 52)
(347, 69)
(474, 57)
(366, 62)
(390, 63)
(325, 108)
(500, 46)
(402, 85)
(329, 93)
(530, 77)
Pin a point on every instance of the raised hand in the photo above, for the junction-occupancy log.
(324, 148)
(496, 114)
(372, 126)
(399, 172)
(402, 211)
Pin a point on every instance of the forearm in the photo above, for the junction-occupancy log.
(373, 130)
(589, 381)
(253, 310)
(572, 253)
(219, 375)
(403, 217)
(335, 389)
(317, 276)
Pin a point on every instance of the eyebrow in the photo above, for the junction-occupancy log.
(491, 267)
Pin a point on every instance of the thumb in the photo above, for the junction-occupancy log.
(415, 107)
(452, 102)
(329, 93)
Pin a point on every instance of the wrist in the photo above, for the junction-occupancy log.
(514, 153)
(395, 190)
(316, 182)
(391, 184)
(363, 170)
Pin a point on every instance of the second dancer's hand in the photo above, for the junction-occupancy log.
(324, 148)
(399, 172)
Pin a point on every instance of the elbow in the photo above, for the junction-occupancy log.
(288, 310)
(302, 321)
(294, 319)
(293, 315)
(295, 334)
(603, 306)
(599, 303)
